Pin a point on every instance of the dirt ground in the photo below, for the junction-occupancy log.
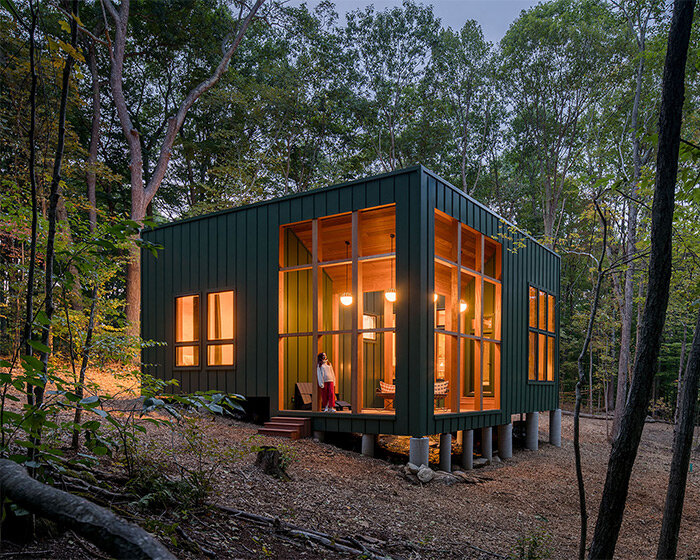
(337, 491)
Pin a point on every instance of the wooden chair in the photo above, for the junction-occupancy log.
(387, 391)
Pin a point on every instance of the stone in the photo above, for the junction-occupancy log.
(413, 468)
(461, 476)
(446, 478)
(480, 462)
(495, 459)
(425, 474)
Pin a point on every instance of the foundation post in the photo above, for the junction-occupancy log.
(419, 451)
(487, 443)
(505, 441)
(468, 449)
(368, 441)
(532, 428)
(446, 452)
(555, 427)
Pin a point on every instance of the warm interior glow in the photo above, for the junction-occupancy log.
(462, 306)
(390, 295)
(187, 319)
(220, 315)
(346, 299)
(435, 296)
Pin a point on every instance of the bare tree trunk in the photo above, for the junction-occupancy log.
(142, 193)
(29, 304)
(579, 396)
(100, 526)
(91, 173)
(680, 376)
(682, 446)
(52, 218)
(590, 380)
(625, 445)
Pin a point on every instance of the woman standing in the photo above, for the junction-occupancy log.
(326, 381)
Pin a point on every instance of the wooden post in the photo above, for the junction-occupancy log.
(315, 405)
(356, 342)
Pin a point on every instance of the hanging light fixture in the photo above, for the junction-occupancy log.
(462, 306)
(435, 297)
(390, 295)
(346, 298)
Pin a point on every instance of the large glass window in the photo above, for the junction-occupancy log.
(467, 315)
(541, 335)
(337, 294)
(187, 331)
(220, 328)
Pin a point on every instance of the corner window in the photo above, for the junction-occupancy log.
(187, 331)
(220, 328)
(541, 335)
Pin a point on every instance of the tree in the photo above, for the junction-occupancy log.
(142, 190)
(624, 449)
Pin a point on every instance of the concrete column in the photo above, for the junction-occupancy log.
(468, 449)
(505, 441)
(532, 428)
(419, 451)
(487, 443)
(446, 452)
(555, 427)
(368, 444)
(319, 436)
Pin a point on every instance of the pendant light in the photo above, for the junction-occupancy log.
(346, 298)
(462, 306)
(390, 295)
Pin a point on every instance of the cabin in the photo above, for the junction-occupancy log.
(437, 315)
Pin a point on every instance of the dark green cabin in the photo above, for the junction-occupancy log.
(436, 314)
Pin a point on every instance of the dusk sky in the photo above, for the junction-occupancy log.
(494, 16)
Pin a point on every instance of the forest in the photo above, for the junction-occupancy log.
(116, 116)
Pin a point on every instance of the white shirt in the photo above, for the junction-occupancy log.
(325, 373)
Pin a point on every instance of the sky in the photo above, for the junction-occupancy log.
(494, 16)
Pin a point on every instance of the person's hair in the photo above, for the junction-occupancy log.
(320, 358)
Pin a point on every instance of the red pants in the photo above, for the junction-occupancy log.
(328, 395)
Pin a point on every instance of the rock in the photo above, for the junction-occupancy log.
(461, 476)
(446, 478)
(496, 459)
(425, 474)
(413, 468)
(480, 462)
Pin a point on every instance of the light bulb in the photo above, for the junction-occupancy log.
(462, 306)
(435, 296)
(390, 295)
(346, 299)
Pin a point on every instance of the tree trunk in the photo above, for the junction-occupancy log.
(625, 446)
(100, 526)
(682, 446)
(579, 395)
(680, 376)
(268, 460)
(29, 303)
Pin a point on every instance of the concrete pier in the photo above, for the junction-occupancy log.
(419, 451)
(555, 427)
(487, 443)
(532, 429)
(446, 452)
(368, 441)
(468, 449)
(505, 441)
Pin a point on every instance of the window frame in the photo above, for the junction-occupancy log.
(549, 332)
(197, 343)
(220, 342)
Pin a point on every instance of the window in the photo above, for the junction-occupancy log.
(541, 335)
(187, 331)
(467, 317)
(337, 295)
(220, 328)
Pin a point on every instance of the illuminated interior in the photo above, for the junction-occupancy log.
(467, 315)
(187, 331)
(337, 295)
(541, 335)
(220, 328)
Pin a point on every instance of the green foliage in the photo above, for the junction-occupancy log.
(535, 545)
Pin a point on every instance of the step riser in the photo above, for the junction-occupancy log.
(291, 434)
(304, 424)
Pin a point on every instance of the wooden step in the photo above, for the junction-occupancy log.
(291, 433)
(303, 423)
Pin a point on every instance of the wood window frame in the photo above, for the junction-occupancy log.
(197, 343)
(462, 337)
(548, 333)
(219, 342)
(356, 331)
